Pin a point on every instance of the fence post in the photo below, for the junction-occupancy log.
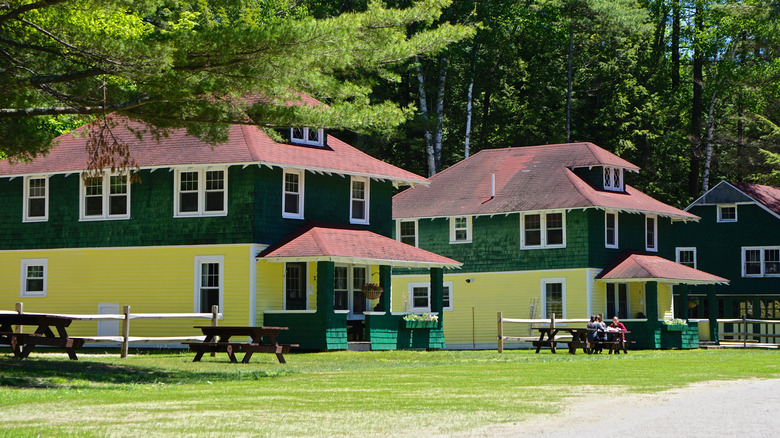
(500, 333)
(214, 319)
(552, 323)
(19, 310)
(125, 331)
(744, 331)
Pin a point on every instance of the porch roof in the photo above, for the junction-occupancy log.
(346, 244)
(633, 266)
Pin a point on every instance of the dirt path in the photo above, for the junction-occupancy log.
(749, 408)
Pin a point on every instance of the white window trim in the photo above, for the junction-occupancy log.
(410, 295)
(468, 230)
(653, 248)
(617, 233)
(680, 249)
(721, 207)
(201, 212)
(416, 231)
(305, 140)
(23, 285)
(199, 260)
(762, 260)
(26, 217)
(608, 183)
(301, 174)
(543, 218)
(543, 290)
(617, 292)
(106, 197)
(366, 200)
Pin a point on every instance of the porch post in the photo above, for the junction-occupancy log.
(437, 293)
(326, 272)
(651, 302)
(385, 276)
(712, 305)
(683, 301)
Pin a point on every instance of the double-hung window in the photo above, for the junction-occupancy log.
(617, 300)
(727, 213)
(613, 179)
(33, 281)
(36, 199)
(651, 232)
(554, 297)
(543, 230)
(407, 232)
(460, 229)
(201, 192)
(105, 197)
(686, 256)
(761, 261)
(292, 194)
(611, 229)
(308, 136)
(359, 201)
(295, 286)
(420, 296)
(208, 283)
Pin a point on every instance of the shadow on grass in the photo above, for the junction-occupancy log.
(59, 372)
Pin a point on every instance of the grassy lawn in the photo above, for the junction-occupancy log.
(331, 394)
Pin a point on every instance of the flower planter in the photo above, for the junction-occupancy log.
(675, 328)
(419, 324)
(372, 295)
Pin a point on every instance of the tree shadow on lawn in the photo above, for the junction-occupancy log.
(48, 372)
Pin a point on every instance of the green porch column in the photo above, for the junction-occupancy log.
(437, 293)
(385, 276)
(683, 301)
(712, 305)
(651, 302)
(326, 272)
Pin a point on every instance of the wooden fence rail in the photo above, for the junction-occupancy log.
(742, 328)
(126, 316)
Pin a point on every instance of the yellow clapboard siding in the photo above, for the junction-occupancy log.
(148, 279)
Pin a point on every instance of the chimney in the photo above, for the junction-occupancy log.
(492, 186)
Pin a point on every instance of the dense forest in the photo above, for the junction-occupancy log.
(689, 90)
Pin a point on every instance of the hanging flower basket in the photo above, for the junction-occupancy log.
(372, 291)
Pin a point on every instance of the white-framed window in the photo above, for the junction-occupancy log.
(651, 232)
(33, 280)
(105, 197)
(200, 192)
(36, 199)
(543, 230)
(686, 256)
(420, 296)
(727, 213)
(406, 231)
(209, 273)
(617, 300)
(613, 178)
(292, 194)
(611, 229)
(460, 229)
(554, 297)
(308, 136)
(359, 200)
(761, 261)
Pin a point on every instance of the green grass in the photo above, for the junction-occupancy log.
(331, 394)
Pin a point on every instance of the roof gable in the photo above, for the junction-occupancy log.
(726, 192)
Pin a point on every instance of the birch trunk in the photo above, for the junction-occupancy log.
(431, 158)
(709, 146)
(440, 113)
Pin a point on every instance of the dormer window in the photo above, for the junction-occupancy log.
(613, 178)
(308, 136)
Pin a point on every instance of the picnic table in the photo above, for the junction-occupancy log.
(547, 338)
(50, 330)
(263, 340)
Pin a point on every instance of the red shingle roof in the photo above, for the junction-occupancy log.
(526, 179)
(632, 266)
(767, 195)
(341, 243)
(245, 145)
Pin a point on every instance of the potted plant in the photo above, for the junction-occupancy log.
(372, 291)
(421, 320)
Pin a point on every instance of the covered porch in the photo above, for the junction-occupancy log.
(343, 259)
(657, 276)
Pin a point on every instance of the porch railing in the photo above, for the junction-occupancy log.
(743, 330)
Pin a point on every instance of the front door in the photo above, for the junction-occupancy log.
(349, 279)
(617, 300)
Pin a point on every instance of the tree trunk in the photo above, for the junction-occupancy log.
(675, 44)
(469, 101)
(431, 158)
(697, 105)
(709, 146)
(440, 113)
(568, 90)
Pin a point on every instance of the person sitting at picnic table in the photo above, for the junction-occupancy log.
(594, 329)
(618, 326)
(602, 329)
